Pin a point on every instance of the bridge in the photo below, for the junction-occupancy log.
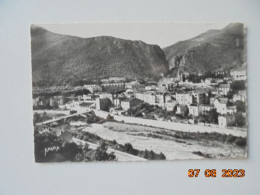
(62, 118)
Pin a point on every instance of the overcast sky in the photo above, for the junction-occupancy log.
(162, 34)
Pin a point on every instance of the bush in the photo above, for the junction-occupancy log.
(102, 155)
(70, 150)
(241, 142)
(238, 85)
(241, 106)
(240, 120)
(110, 118)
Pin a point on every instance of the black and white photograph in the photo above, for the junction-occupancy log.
(139, 91)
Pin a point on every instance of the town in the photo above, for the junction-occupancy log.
(215, 99)
(110, 119)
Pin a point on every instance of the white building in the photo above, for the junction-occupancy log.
(129, 103)
(205, 107)
(170, 104)
(154, 98)
(208, 81)
(194, 109)
(231, 109)
(148, 97)
(221, 105)
(225, 120)
(184, 98)
(224, 89)
(238, 74)
(240, 96)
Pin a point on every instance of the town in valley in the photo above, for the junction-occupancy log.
(185, 115)
(216, 103)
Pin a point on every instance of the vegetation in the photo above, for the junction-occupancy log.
(75, 61)
(238, 85)
(49, 148)
(240, 120)
(209, 117)
(65, 91)
(241, 106)
(214, 50)
(223, 138)
(37, 118)
(128, 148)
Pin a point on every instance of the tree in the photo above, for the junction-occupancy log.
(186, 111)
(162, 156)
(175, 109)
(36, 117)
(102, 155)
(238, 85)
(240, 119)
(213, 116)
(110, 118)
(79, 157)
(241, 106)
(230, 94)
(203, 118)
(42, 142)
(70, 150)
(129, 149)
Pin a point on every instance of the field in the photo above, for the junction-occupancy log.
(173, 144)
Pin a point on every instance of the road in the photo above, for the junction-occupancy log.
(160, 124)
(173, 125)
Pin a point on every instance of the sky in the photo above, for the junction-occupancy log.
(162, 34)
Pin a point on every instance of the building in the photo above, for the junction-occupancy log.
(182, 109)
(208, 81)
(150, 87)
(87, 97)
(129, 93)
(231, 109)
(106, 95)
(154, 98)
(129, 103)
(112, 86)
(221, 105)
(224, 89)
(166, 84)
(226, 120)
(132, 84)
(240, 96)
(214, 91)
(147, 97)
(205, 107)
(41, 102)
(36, 101)
(194, 109)
(238, 74)
(170, 104)
(184, 98)
(103, 104)
(200, 97)
(93, 88)
(162, 98)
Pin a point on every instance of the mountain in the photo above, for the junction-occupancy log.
(214, 50)
(62, 59)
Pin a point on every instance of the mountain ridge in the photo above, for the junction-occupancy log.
(62, 59)
(213, 50)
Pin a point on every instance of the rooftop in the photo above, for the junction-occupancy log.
(224, 86)
(223, 100)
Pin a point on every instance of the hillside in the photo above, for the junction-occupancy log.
(214, 50)
(63, 59)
